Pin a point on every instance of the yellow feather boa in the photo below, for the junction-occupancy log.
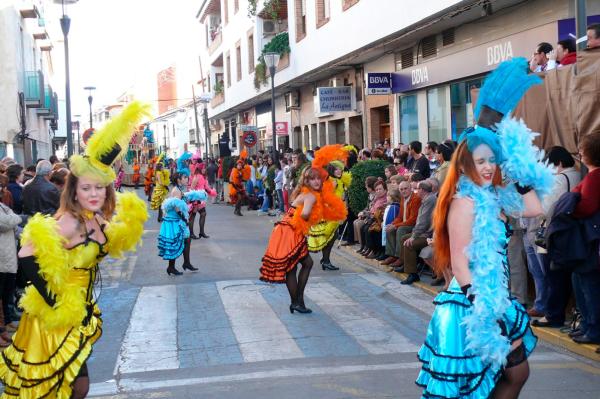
(53, 259)
(125, 229)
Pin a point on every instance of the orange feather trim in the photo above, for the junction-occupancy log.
(328, 153)
(328, 206)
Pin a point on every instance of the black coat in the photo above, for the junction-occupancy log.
(573, 243)
(40, 196)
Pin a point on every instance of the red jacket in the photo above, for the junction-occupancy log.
(589, 188)
(412, 210)
(570, 58)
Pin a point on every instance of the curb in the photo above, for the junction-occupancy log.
(550, 335)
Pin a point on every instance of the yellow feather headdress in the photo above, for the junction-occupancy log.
(108, 144)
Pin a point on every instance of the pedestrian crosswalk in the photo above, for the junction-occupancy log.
(246, 321)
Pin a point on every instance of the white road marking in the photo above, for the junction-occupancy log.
(413, 296)
(259, 332)
(135, 385)
(151, 339)
(373, 334)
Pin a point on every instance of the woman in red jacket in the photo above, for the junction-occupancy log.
(587, 284)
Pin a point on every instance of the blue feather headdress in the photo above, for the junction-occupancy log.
(182, 166)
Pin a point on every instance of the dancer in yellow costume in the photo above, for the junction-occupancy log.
(59, 257)
(162, 179)
(321, 236)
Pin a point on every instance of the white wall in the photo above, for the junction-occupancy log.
(338, 37)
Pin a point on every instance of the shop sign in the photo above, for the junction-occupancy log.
(281, 129)
(379, 83)
(334, 99)
(472, 61)
(87, 135)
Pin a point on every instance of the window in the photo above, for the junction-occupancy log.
(238, 61)
(250, 52)
(300, 19)
(322, 12)
(429, 46)
(461, 103)
(437, 110)
(228, 69)
(409, 119)
(404, 59)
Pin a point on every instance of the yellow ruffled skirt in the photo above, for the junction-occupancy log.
(45, 363)
(321, 234)
(159, 194)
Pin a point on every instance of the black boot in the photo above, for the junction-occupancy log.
(202, 222)
(171, 269)
(186, 257)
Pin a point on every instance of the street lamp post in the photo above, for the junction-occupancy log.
(65, 25)
(90, 100)
(272, 59)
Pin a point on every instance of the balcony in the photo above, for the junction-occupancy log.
(47, 108)
(34, 89)
(215, 40)
(218, 99)
(29, 11)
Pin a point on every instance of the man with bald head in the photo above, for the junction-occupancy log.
(40, 195)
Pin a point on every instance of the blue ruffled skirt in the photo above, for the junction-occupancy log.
(450, 370)
(172, 236)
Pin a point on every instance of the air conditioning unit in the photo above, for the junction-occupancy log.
(292, 100)
(270, 27)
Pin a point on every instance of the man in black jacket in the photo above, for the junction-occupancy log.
(40, 195)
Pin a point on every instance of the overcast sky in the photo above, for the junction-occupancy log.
(118, 44)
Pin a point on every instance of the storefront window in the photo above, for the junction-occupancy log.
(462, 105)
(437, 120)
(409, 120)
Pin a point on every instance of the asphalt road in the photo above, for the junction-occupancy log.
(221, 333)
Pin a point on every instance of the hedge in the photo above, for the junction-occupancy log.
(357, 194)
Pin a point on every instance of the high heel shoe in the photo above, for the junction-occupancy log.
(193, 236)
(190, 267)
(328, 266)
(299, 308)
(174, 272)
(204, 235)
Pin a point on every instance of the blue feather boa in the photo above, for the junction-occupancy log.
(489, 283)
(523, 160)
(176, 204)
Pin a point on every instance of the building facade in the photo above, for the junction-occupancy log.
(436, 53)
(28, 104)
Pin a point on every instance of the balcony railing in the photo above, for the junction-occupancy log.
(217, 39)
(218, 99)
(34, 89)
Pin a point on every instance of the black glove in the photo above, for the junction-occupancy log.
(31, 271)
(182, 216)
(465, 290)
(523, 189)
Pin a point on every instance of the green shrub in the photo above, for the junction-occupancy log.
(357, 194)
(228, 164)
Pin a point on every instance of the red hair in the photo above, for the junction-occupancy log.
(461, 163)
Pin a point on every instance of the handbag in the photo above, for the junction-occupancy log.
(540, 235)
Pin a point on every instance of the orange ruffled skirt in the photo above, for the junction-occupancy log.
(285, 250)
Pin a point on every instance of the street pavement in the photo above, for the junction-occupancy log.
(221, 333)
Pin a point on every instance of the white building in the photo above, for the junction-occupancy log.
(434, 51)
(28, 104)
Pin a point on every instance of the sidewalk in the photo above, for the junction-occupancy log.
(550, 335)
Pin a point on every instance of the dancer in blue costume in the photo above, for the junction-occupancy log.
(479, 337)
(174, 235)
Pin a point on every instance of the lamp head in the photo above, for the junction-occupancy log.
(271, 59)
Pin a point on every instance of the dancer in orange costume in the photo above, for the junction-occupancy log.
(237, 189)
(314, 200)
(148, 180)
(136, 174)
